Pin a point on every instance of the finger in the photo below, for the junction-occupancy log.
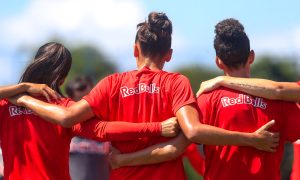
(275, 145)
(268, 125)
(271, 150)
(275, 135)
(276, 139)
(45, 94)
(52, 93)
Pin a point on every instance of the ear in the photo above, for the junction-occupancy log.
(135, 50)
(168, 56)
(219, 63)
(251, 57)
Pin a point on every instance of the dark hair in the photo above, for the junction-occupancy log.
(50, 66)
(154, 35)
(79, 83)
(231, 43)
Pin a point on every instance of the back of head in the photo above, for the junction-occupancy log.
(79, 87)
(155, 35)
(231, 43)
(50, 66)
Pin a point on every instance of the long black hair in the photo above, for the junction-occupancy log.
(50, 66)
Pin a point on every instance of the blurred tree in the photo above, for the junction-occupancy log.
(89, 61)
(197, 74)
(277, 69)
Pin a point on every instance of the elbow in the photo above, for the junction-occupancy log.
(173, 152)
(192, 135)
(65, 121)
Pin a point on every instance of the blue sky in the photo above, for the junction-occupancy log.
(273, 28)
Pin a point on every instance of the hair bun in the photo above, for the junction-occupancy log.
(159, 22)
(231, 28)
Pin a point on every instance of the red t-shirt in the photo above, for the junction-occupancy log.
(142, 96)
(233, 110)
(33, 148)
(196, 159)
(295, 175)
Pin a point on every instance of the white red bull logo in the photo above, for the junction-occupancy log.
(141, 88)
(244, 99)
(16, 111)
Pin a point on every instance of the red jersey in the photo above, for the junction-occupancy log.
(233, 110)
(33, 148)
(295, 175)
(196, 159)
(142, 96)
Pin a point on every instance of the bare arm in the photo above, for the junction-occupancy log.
(64, 116)
(152, 155)
(287, 91)
(40, 89)
(188, 118)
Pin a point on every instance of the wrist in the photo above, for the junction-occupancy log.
(22, 100)
(117, 161)
(24, 86)
(250, 139)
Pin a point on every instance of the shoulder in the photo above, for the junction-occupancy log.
(174, 77)
(116, 77)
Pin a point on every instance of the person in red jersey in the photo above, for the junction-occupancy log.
(148, 94)
(234, 110)
(286, 91)
(36, 149)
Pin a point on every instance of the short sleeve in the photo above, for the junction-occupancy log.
(290, 115)
(98, 98)
(182, 93)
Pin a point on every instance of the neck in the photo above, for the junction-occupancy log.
(242, 72)
(151, 63)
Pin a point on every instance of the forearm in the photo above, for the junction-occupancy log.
(8, 91)
(154, 154)
(188, 118)
(211, 135)
(116, 131)
(263, 88)
(50, 112)
(64, 116)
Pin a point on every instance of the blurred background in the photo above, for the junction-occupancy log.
(100, 35)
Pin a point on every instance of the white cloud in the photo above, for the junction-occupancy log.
(108, 24)
(278, 43)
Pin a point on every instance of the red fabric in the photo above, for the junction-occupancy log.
(142, 96)
(33, 148)
(116, 131)
(195, 158)
(296, 164)
(295, 175)
(236, 111)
